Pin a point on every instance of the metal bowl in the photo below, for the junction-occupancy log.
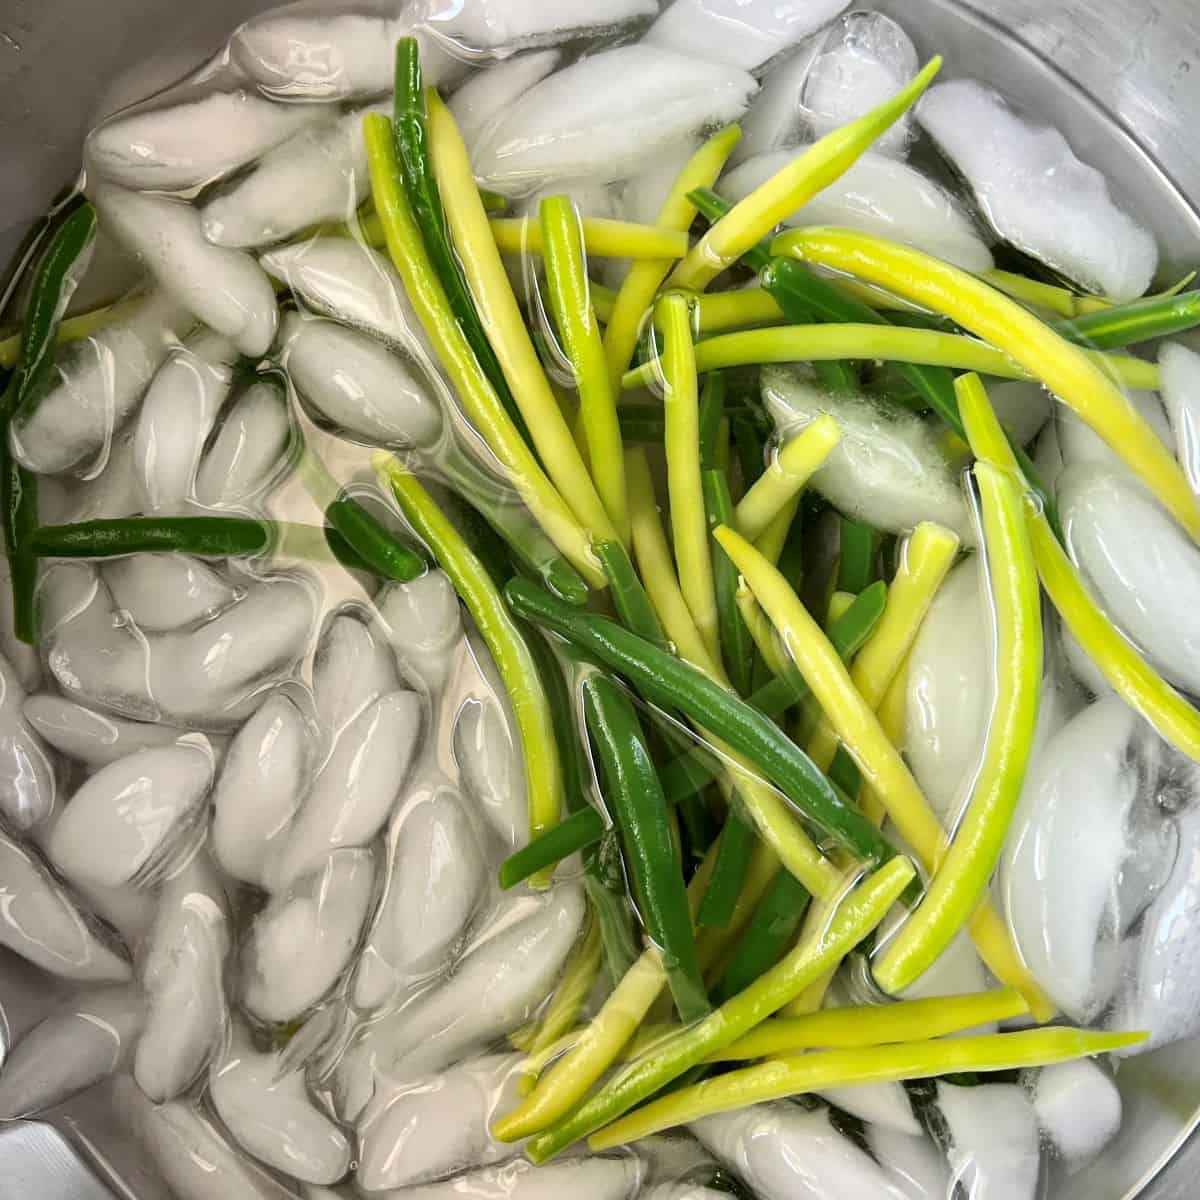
(1120, 77)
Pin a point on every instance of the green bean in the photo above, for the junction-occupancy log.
(543, 773)
(53, 282)
(860, 912)
(858, 563)
(411, 130)
(640, 812)
(712, 409)
(377, 546)
(751, 450)
(733, 857)
(667, 681)
(628, 595)
(736, 647)
(1128, 324)
(771, 930)
(206, 537)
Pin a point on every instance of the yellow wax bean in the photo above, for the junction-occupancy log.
(744, 308)
(827, 1069)
(962, 877)
(641, 283)
(1068, 372)
(689, 524)
(1059, 300)
(482, 405)
(771, 541)
(602, 238)
(504, 325)
(786, 474)
(888, 343)
(789, 189)
(572, 992)
(876, 1024)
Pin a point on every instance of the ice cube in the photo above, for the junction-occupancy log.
(598, 1178)
(182, 977)
(355, 788)
(491, 770)
(1181, 395)
(112, 491)
(176, 418)
(957, 971)
(1036, 193)
(495, 987)
(358, 386)
(27, 783)
(684, 1191)
(183, 145)
(23, 659)
(126, 819)
(607, 117)
(885, 1105)
(166, 591)
(741, 33)
(774, 119)
(1080, 444)
(864, 59)
(424, 626)
(318, 175)
(268, 1110)
(260, 787)
(1062, 863)
(302, 942)
(881, 196)
(87, 1039)
(949, 690)
(42, 922)
(993, 1138)
(642, 196)
(226, 289)
(1078, 1108)
(913, 1164)
(353, 667)
(1022, 408)
(94, 385)
(487, 95)
(888, 469)
(436, 1125)
(251, 449)
(90, 737)
(785, 1152)
(501, 26)
(341, 56)
(1140, 566)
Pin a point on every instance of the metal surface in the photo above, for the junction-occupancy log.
(1121, 77)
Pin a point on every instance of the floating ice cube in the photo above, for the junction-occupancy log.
(742, 33)
(913, 1164)
(27, 784)
(684, 1191)
(226, 289)
(130, 910)
(344, 56)
(302, 942)
(318, 175)
(94, 385)
(881, 196)
(1022, 408)
(182, 977)
(491, 770)
(23, 658)
(1141, 567)
(957, 971)
(1036, 193)
(1078, 1108)
(260, 788)
(90, 737)
(1062, 863)
(1079, 444)
(993, 1138)
(487, 95)
(194, 1158)
(355, 788)
(110, 492)
(250, 451)
(494, 988)
(607, 117)
(361, 388)
(774, 119)
(176, 417)
(788, 1153)
(166, 591)
(87, 1039)
(642, 196)
(597, 1178)
(888, 469)
(353, 668)
(885, 1105)
(949, 690)
(183, 145)
(270, 1113)
(424, 625)
(501, 26)
(42, 922)
(127, 818)
(436, 1125)
(1181, 395)
(864, 59)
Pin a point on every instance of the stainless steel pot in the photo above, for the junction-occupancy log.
(1120, 77)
